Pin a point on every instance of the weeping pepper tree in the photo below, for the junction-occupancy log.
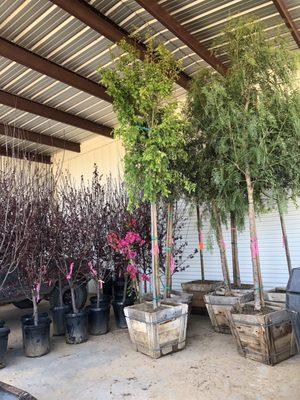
(205, 166)
(243, 124)
(151, 129)
(286, 105)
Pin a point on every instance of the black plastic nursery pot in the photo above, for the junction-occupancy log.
(4, 332)
(76, 327)
(29, 317)
(118, 306)
(104, 300)
(98, 319)
(36, 338)
(2, 323)
(58, 316)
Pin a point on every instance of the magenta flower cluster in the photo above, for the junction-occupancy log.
(127, 247)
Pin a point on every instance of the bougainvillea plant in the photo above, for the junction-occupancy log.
(129, 248)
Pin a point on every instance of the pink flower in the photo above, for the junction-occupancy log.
(132, 237)
(145, 277)
(132, 270)
(131, 254)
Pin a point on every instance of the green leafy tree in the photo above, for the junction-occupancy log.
(151, 129)
(240, 122)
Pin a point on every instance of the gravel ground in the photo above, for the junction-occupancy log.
(107, 368)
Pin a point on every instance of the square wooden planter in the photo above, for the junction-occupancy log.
(157, 332)
(199, 289)
(218, 305)
(276, 297)
(267, 338)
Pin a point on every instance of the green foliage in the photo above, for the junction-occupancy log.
(248, 120)
(150, 125)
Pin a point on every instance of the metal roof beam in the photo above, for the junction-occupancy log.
(35, 137)
(42, 110)
(31, 60)
(162, 15)
(24, 155)
(103, 25)
(284, 12)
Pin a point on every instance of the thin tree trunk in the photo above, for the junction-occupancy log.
(200, 241)
(155, 254)
(234, 249)
(60, 291)
(169, 249)
(97, 292)
(285, 238)
(75, 311)
(257, 279)
(221, 243)
(35, 309)
(125, 287)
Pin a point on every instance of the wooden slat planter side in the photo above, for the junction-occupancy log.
(268, 338)
(160, 332)
(199, 289)
(218, 305)
(276, 298)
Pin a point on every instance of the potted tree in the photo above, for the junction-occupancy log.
(152, 133)
(207, 171)
(249, 143)
(286, 184)
(99, 266)
(75, 244)
(33, 270)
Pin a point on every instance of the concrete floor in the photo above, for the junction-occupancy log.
(106, 368)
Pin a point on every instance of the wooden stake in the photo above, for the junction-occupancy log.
(200, 241)
(257, 279)
(155, 263)
(285, 238)
(221, 243)
(169, 249)
(234, 250)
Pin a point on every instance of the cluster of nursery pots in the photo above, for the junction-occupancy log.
(94, 319)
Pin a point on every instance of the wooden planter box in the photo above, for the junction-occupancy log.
(158, 332)
(267, 338)
(218, 305)
(177, 297)
(199, 289)
(275, 298)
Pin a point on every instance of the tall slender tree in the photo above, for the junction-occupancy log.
(151, 128)
(240, 125)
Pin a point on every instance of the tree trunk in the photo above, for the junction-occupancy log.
(60, 291)
(35, 309)
(75, 311)
(285, 238)
(155, 255)
(234, 249)
(125, 287)
(221, 243)
(257, 279)
(97, 292)
(200, 241)
(169, 249)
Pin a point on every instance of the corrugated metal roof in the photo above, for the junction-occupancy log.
(47, 30)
